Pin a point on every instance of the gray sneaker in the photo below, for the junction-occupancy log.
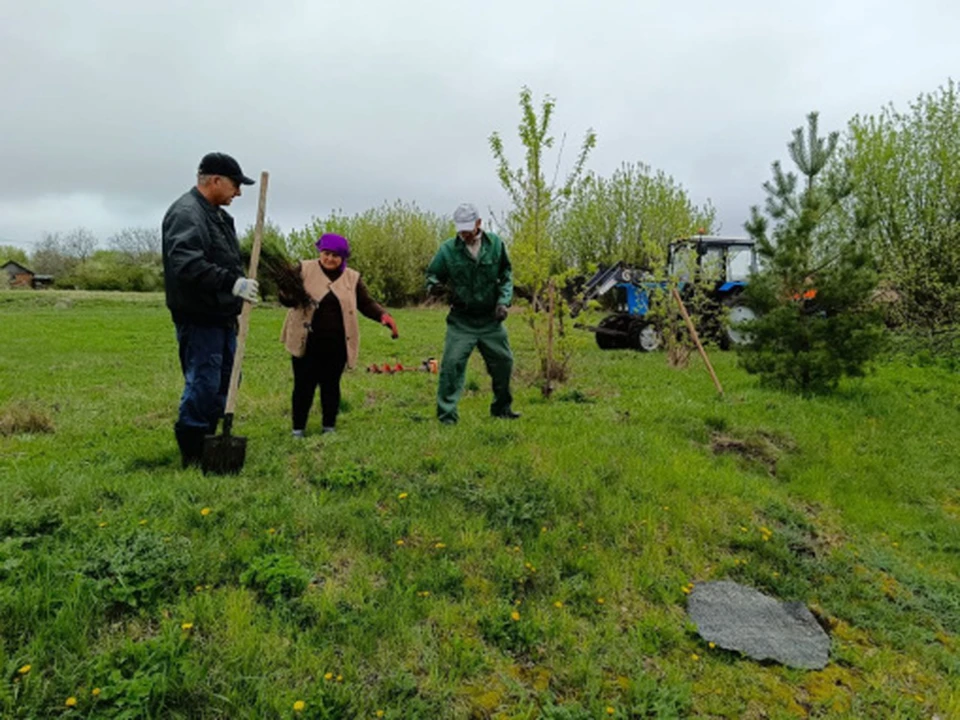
(298, 433)
(328, 430)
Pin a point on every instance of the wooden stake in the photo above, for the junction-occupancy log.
(696, 339)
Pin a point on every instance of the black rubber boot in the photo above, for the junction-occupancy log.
(190, 441)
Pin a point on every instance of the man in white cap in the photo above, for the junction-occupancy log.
(475, 269)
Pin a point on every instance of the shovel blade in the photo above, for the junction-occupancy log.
(223, 454)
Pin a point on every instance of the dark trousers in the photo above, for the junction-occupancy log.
(322, 365)
(206, 359)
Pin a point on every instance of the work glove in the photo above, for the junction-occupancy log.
(247, 289)
(500, 313)
(390, 323)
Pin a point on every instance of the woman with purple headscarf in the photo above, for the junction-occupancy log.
(323, 337)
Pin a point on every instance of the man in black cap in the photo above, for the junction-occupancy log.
(205, 286)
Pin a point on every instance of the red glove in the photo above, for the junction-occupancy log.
(390, 323)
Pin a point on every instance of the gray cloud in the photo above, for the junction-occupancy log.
(108, 105)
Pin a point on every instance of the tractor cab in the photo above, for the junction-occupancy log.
(729, 260)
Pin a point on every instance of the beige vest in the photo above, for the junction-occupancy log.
(296, 326)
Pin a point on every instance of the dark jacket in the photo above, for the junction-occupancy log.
(201, 262)
(477, 285)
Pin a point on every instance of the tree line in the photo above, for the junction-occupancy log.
(901, 166)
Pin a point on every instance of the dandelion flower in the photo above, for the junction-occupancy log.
(271, 531)
(339, 678)
(328, 676)
(379, 713)
(102, 525)
(95, 692)
(400, 542)
(205, 512)
(543, 529)
(198, 588)
(187, 626)
(610, 710)
(144, 521)
(24, 670)
(694, 657)
(403, 496)
(299, 706)
(440, 546)
(600, 601)
(712, 645)
(558, 604)
(515, 616)
(71, 702)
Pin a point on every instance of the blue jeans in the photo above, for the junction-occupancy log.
(206, 359)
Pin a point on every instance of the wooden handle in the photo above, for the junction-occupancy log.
(696, 339)
(247, 306)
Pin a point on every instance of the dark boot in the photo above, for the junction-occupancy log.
(190, 441)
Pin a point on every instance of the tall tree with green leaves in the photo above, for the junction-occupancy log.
(813, 294)
(532, 224)
(906, 166)
(632, 216)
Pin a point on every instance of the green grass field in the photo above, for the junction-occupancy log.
(402, 569)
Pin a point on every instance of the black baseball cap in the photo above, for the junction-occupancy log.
(223, 164)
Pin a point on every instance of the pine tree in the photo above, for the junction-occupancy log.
(813, 293)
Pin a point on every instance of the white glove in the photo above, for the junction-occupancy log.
(247, 289)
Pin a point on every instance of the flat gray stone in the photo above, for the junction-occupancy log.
(736, 617)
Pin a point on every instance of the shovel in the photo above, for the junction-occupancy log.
(225, 454)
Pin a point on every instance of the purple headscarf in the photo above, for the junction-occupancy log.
(335, 244)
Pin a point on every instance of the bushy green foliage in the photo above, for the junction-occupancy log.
(906, 173)
(631, 216)
(276, 577)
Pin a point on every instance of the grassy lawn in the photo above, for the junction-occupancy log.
(403, 569)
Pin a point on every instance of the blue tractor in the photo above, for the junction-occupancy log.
(729, 260)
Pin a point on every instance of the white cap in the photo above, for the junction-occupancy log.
(465, 217)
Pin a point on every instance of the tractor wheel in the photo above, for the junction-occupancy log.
(739, 312)
(644, 336)
(609, 342)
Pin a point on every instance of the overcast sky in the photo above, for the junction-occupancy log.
(108, 105)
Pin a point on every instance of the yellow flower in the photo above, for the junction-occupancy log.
(102, 525)
(600, 601)
(205, 512)
(198, 588)
(403, 496)
(400, 542)
(71, 701)
(187, 627)
(144, 521)
(440, 546)
(543, 529)
(666, 507)
(339, 678)
(694, 657)
(610, 710)
(776, 574)
(424, 593)
(558, 604)
(711, 645)
(299, 706)
(516, 548)
(379, 713)
(328, 676)
(24, 670)
(95, 692)
(686, 589)
(271, 531)
(743, 529)
(515, 616)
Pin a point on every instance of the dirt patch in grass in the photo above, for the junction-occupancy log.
(755, 448)
(24, 420)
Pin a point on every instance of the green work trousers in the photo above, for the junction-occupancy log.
(464, 333)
